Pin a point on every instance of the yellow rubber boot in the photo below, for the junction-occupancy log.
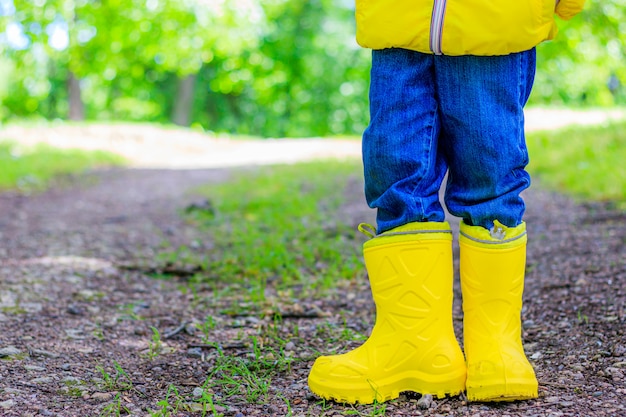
(492, 281)
(412, 346)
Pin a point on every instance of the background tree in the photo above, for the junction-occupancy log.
(586, 64)
(263, 67)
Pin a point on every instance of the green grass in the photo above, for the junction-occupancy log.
(278, 225)
(33, 169)
(585, 162)
(116, 381)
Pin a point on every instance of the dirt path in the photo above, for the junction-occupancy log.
(70, 308)
(148, 146)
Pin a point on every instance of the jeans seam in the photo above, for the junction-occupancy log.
(429, 163)
(521, 93)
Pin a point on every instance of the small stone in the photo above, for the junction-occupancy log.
(425, 402)
(578, 367)
(74, 310)
(7, 404)
(615, 372)
(597, 394)
(34, 368)
(619, 350)
(66, 367)
(102, 396)
(290, 346)
(41, 352)
(140, 331)
(191, 329)
(9, 351)
(76, 334)
(198, 392)
(16, 391)
(42, 380)
(194, 352)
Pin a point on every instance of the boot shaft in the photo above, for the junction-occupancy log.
(492, 271)
(410, 269)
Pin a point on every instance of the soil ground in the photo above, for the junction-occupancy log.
(76, 292)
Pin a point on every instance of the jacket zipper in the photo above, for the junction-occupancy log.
(436, 26)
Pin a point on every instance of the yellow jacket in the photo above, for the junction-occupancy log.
(460, 27)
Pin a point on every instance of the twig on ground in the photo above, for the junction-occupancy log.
(175, 331)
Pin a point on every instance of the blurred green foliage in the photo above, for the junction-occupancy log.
(584, 162)
(262, 67)
(586, 63)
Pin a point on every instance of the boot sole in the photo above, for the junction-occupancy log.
(502, 392)
(387, 391)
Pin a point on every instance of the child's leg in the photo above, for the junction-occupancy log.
(482, 123)
(482, 101)
(403, 170)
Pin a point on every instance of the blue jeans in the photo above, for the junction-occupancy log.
(434, 114)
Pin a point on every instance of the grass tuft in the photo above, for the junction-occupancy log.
(277, 226)
(32, 169)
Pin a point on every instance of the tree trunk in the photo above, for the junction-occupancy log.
(183, 105)
(77, 109)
